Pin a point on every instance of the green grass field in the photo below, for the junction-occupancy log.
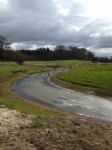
(97, 75)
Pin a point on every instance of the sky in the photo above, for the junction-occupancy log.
(46, 23)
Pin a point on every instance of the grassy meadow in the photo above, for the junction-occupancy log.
(90, 75)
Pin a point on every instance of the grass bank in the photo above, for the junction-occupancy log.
(88, 77)
(9, 72)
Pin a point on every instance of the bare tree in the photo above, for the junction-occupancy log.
(4, 45)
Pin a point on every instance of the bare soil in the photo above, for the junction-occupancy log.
(65, 131)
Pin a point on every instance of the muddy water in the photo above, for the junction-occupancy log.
(38, 88)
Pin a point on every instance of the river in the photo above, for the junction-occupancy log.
(38, 89)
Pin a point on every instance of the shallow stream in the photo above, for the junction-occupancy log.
(38, 88)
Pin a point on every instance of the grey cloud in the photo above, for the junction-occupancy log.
(31, 24)
(75, 7)
(104, 42)
(85, 39)
(39, 22)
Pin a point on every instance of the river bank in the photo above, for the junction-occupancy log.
(94, 78)
(80, 88)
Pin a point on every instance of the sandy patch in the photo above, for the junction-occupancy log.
(12, 119)
(12, 123)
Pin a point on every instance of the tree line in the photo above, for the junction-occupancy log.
(60, 52)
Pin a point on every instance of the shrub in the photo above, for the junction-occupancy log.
(19, 58)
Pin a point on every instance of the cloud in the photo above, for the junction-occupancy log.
(103, 52)
(29, 24)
